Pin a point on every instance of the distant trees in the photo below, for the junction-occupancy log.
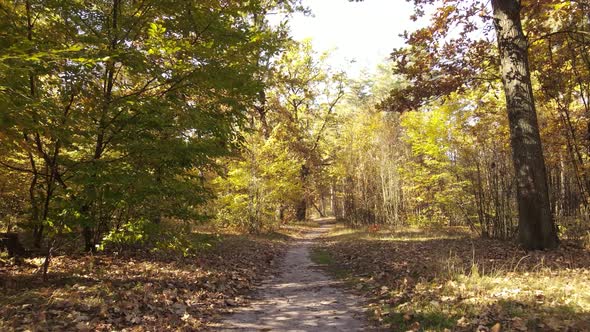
(365, 180)
(281, 169)
(118, 115)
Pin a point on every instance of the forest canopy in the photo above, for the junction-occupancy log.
(119, 117)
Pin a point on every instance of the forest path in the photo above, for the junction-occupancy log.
(300, 297)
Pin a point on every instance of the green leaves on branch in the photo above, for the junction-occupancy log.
(116, 113)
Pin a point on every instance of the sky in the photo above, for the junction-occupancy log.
(360, 34)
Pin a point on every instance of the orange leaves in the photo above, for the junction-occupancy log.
(443, 57)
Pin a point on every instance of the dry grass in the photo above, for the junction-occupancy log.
(439, 279)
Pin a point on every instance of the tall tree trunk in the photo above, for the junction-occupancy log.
(301, 210)
(88, 235)
(333, 201)
(536, 229)
(301, 206)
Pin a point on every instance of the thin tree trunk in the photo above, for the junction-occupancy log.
(322, 215)
(89, 230)
(536, 229)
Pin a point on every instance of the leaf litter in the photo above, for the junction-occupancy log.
(135, 292)
(447, 280)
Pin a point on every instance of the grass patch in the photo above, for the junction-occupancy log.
(321, 257)
(324, 259)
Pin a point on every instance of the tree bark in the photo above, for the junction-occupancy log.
(301, 207)
(536, 229)
(301, 210)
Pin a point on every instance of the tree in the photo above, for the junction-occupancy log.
(437, 64)
(367, 154)
(536, 229)
(114, 111)
(280, 166)
(305, 96)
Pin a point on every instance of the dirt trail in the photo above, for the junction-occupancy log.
(299, 298)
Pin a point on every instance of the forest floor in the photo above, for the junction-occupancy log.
(446, 280)
(308, 277)
(299, 297)
(142, 291)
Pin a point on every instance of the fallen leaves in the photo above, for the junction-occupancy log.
(142, 292)
(518, 324)
(450, 281)
(496, 328)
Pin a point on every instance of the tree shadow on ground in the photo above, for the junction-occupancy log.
(114, 291)
(439, 278)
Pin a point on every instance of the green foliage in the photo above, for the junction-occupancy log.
(168, 237)
(433, 175)
(131, 234)
(118, 112)
(280, 171)
(365, 145)
(444, 164)
(265, 180)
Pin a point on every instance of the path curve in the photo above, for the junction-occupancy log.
(300, 298)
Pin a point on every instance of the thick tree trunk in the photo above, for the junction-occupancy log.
(11, 243)
(536, 229)
(301, 210)
(301, 206)
(88, 239)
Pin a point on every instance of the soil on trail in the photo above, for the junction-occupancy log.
(299, 298)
